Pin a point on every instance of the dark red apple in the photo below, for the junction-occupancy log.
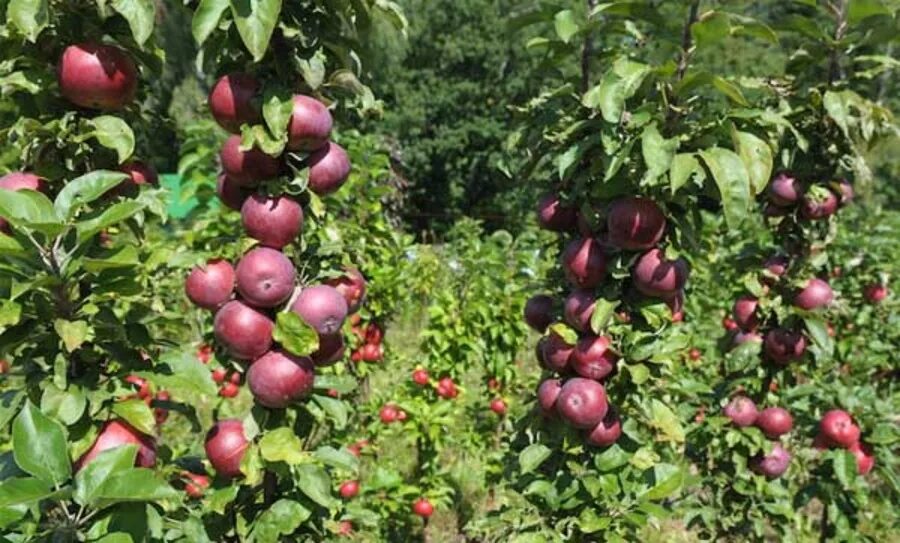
(225, 446)
(582, 402)
(139, 174)
(741, 410)
(818, 204)
(776, 265)
(232, 101)
(329, 167)
(321, 307)
(278, 378)
(374, 333)
(331, 349)
(655, 276)
(195, 485)
(838, 428)
(352, 286)
(446, 388)
(607, 431)
(548, 393)
(232, 194)
(274, 221)
(584, 262)
(420, 377)
(388, 413)
(773, 211)
(310, 125)
(773, 464)
(865, 457)
(746, 337)
(875, 293)
(554, 215)
(244, 331)
(744, 312)
(97, 76)
(423, 508)
(783, 345)
(498, 406)
(774, 422)
(578, 309)
(784, 190)
(592, 357)
(265, 277)
(349, 489)
(247, 168)
(556, 352)
(817, 293)
(539, 312)
(212, 285)
(117, 433)
(14, 181)
(635, 223)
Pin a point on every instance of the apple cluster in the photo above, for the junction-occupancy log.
(246, 298)
(633, 224)
(774, 422)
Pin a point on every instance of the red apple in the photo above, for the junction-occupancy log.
(635, 223)
(783, 345)
(818, 204)
(229, 390)
(265, 277)
(212, 285)
(592, 357)
(548, 393)
(446, 388)
(865, 457)
(349, 489)
(321, 307)
(498, 406)
(139, 173)
(655, 276)
(578, 309)
(329, 168)
(273, 221)
(817, 293)
(607, 431)
(195, 485)
(219, 375)
(97, 76)
(420, 377)
(741, 410)
(772, 465)
(225, 446)
(784, 190)
(246, 332)
(582, 402)
(539, 312)
(423, 508)
(744, 312)
(875, 293)
(838, 428)
(695, 354)
(247, 168)
(776, 265)
(331, 349)
(232, 101)
(584, 263)
(554, 215)
(388, 413)
(117, 433)
(232, 194)
(352, 286)
(310, 125)
(15, 181)
(278, 378)
(555, 352)
(774, 422)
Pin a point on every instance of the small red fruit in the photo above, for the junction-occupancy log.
(161, 414)
(225, 446)
(875, 293)
(141, 383)
(865, 457)
(420, 377)
(97, 76)
(774, 422)
(838, 428)
(741, 410)
(195, 485)
(389, 413)
(554, 215)
(607, 431)
(219, 375)
(349, 489)
(423, 508)
(235, 377)
(204, 353)
(229, 390)
(498, 406)
(231, 101)
(446, 388)
(729, 324)
(695, 354)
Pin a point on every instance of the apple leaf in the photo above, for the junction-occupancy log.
(295, 335)
(733, 180)
(113, 133)
(603, 312)
(256, 20)
(100, 469)
(84, 190)
(281, 519)
(533, 456)
(140, 14)
(282, 445)
(29, 16)
(206, 18)
(341, 459)
(39, 445)
(136, 413)
(565, 24)
(316, 484)
(23, 490)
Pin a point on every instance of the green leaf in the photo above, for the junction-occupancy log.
(30, 209)
(29, 16)
(255, 20)
(67, 406)
(295, 335)
(114, 214)
(658, 152)
(533, 456)
(10, 314)
(712, 28)
(757, 157)
(336, 410)
(618, 84)
(134, 485)
(337, 458)
(97, 472)
(113, 133)
(282, 445)
(23, 490)
(564, 331)
(667, 479)
(818, 331)
(684, 166)
(137, 413)
(39, 445)
(206, 18)
(729, 89)
(844, 464)
(281, 519)
(731, 177)
(278, 105)
(341, 383)
(565, 25)
(611, 459)
(316, 484)
(639, 373)
(838, 105)
(184, 376)
(73, 333)
(140, 14)
(663, 419)
(603, 312)
(125, 256)
(84, 190)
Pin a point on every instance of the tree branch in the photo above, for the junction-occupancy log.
(587, 50)
(834, 69)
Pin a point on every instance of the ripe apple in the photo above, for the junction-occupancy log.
(776, 265)
(744, 312)
(592, 357)
(582, 402)
(815, 294)
(229, 390)
(97, 76)
(875, 292)
(388, 413)
(554, 215)
(584, 263)
(498, 406)
(695, 354)
(195, 485)
(232, 194)
(321, 307)
(784, 190)
(274, 221)
(423, 508)
(117, 433)
(579, 308)
(329, 167)
(371, 352)
(539, 312)
(865, 457)
(225, 446)
(773, 464)
(204, 353)
(352, 286)
(142, 385)
(219, 375)
(446, 388)
(548, 393)
(246, 332)
(331, 349)
(14, 181)
(345, 528)
(265, 277)
(774, 421)
(783, 345)
(741, 410)
(247, 168)
(310, 124)
(607, 431)
(838, 428)
(278, 378)
(818, 204)
(212, 285)
(635, 223)
(232, 101)
(420, 377)
(729, 324)
(349, 489)
(655, 276)
(374, 333)
(555, 352)
(139, 173)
